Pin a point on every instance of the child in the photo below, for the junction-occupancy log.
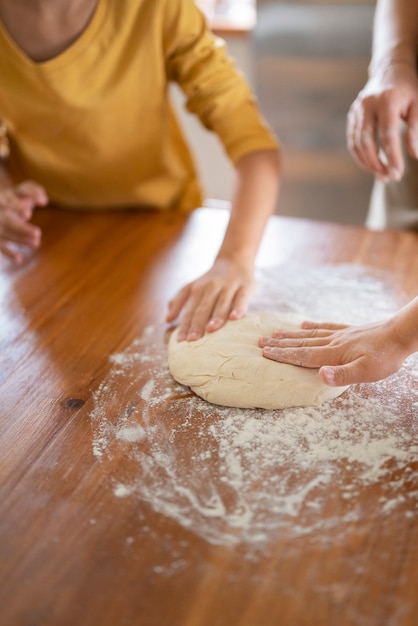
(87, 124)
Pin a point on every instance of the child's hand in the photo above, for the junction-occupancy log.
(208, 302)
(16, 209)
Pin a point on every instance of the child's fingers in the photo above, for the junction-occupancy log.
(177, 303)
(10, 202)
(240, 303)
(226, 304)
(15, 229)
(197, 313)
(14, 255)
(33, 191)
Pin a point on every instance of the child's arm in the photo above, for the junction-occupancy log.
(221, 97)
(349, 354)
(16, 208)
(224, 291)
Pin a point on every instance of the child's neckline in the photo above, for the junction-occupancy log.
(73, 48)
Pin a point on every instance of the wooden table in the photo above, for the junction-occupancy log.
(127, 501)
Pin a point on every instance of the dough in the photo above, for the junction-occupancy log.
(227, 367)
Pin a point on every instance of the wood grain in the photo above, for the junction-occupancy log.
(71, 552)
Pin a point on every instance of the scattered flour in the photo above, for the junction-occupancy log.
(241, 476)
(134, 433)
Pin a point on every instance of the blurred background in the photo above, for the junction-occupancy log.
(306, 61)
(311, 60)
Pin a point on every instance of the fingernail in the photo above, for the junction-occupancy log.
(213, 323)
(182, 336)
(192, 336)
(278, 333)
(329, 375)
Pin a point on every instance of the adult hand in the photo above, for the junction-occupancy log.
(207, 303)
(373, 121)
(344, 354)
(16, 209)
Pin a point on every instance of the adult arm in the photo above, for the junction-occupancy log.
(349, 354)
(390, 94)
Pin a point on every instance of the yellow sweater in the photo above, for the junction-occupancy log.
(94, 125)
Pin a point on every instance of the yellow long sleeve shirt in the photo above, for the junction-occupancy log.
(94, 125)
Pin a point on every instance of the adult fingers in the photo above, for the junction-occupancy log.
(301, 356)
(361, 136)
(323, 325)
(389, 136)
(293, 343)
(301, 334)
(347, 374)
(411, 135)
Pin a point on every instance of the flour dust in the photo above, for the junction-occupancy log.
(235, 476)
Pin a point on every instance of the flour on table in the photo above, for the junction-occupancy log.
(241, 476)
(228, 368)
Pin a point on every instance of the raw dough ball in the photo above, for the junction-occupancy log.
(227, 367)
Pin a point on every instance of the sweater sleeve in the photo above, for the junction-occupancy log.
(216, 91)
